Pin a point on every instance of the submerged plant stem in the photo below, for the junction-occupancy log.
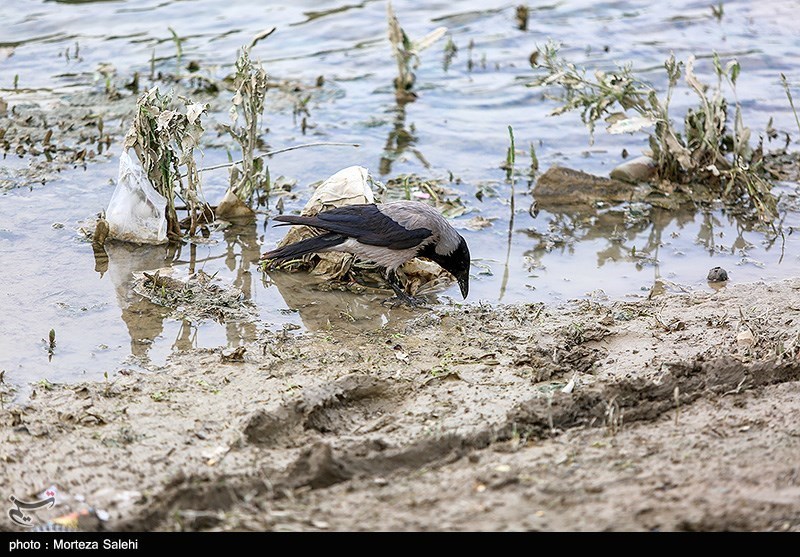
(791, 101)
(510, 160)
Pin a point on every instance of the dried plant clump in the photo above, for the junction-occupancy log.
(164, 140)
(250, 85)
(406, 54)
(708, 150)
(196, 297)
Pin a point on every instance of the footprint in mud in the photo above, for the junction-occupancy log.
(339, 407)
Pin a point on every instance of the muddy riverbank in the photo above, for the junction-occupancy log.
(673, 413)
(593, 380)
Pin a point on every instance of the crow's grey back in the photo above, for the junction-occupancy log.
(415, 214)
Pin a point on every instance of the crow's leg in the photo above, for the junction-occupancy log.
(400, 296)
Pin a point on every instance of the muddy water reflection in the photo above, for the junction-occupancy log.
(242, 251)
(659, 239)
(401, 138)
(321, 309)
(144, 320)
(120, 263)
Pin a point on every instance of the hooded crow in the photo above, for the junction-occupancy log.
(388, 234)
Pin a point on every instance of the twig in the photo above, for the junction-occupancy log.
(738, 388)
(277, 151)
(260, 36)
(789, 95)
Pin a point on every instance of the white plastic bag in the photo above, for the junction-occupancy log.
(136, 212)
(349, 186)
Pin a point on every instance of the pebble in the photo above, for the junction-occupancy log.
(640, 169)
(745, 338)
(717, 274)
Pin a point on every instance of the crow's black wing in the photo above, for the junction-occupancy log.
(365, 223)
(315, 244)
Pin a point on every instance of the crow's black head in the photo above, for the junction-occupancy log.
(457, 263)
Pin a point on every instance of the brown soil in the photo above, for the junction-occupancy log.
(682, 414)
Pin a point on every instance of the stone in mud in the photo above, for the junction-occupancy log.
(640, 169)
(745, 338)
(232, 208)
(564, 186)
(717, 274)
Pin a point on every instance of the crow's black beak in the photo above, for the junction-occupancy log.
(463, 283)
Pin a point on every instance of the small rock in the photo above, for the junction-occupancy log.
(745, 338)
(640, 169)
(214, 454)
(563, 187)
(717, 274)
(231, 207)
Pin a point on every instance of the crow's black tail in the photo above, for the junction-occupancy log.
(303, 247)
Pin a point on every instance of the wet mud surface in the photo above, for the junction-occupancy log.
(673, 413)
(212, 396)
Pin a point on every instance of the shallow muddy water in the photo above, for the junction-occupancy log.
(457, 127)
